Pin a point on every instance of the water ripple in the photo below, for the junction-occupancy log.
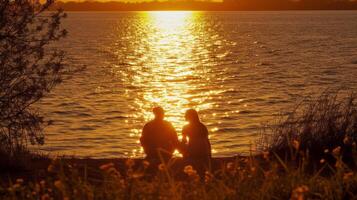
(239, 69)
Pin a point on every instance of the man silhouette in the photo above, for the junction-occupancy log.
(159, 138)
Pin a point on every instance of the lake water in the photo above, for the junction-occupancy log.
(239, 69)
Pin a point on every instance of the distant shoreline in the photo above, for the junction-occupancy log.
(229, 5)
(114, 11)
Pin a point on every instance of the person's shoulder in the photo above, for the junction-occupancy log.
(167, 123)
(186, 126)
(204, 127)
(148, 124)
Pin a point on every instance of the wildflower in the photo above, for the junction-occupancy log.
(230, 166)
(43, 183)
(137, 175)
(45, 197)
(296, 144)
(298, 193)
(161, 167)
(16, 185)
(336, 151)
(146, 164)
(56, 158)
(20, 180)
(122, 182)
(253, 169)
(338, 164)
(58, 184)
(322, 161)
(266, 155)
(114, 172)
(50, 168)
(208, 176)
(347, 176)
(347, 140)
(268, 173)
(189, 170)
(304, 188)
(107, 166)
(37, 188)
(129, 163)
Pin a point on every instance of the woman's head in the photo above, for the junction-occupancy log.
(191, 115)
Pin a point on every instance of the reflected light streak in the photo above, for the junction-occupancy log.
(170, 68)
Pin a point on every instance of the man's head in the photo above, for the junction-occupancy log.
(159, 113)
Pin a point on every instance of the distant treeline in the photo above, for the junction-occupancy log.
(201, 5)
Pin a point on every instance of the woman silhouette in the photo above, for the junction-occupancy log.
(195, 137)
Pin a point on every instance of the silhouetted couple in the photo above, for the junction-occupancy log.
(159, 139)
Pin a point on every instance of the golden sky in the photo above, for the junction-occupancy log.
(130, 0)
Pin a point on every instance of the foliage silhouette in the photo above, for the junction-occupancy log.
(30, 68)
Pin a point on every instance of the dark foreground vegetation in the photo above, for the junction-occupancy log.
(316, 127)
(29, 69)
(242, 178)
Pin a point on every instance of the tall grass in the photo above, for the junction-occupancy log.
(314, 128)
(245, 178)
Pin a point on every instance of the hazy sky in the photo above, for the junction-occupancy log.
(131, 0)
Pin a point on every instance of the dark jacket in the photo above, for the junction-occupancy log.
(159, 135)
(198, 145)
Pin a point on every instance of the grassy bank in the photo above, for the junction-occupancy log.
(259, 177)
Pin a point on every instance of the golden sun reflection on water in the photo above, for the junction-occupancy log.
(239, 75)
(170, 72)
